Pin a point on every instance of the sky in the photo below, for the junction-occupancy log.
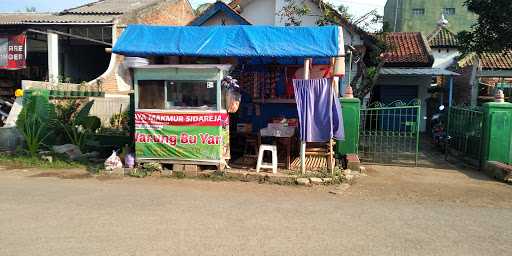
(356, 7)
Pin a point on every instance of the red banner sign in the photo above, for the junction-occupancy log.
(182, 136)
(13, 51)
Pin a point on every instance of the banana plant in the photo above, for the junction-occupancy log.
(36, 121)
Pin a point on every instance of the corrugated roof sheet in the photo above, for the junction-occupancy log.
(442, 37)
(100, 12)
(25, 18)
(111, 6)
(407, 49)
(417, 72)
(20, 17)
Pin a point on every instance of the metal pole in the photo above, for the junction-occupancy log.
(396, 16)
(307, 63)
(349, 70)
(450, 95)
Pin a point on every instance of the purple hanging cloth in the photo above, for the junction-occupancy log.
(319, 110)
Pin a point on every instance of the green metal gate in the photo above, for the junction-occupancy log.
(465, 133)
(390, 133)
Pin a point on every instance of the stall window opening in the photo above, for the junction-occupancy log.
(191, 94)
(177, 94)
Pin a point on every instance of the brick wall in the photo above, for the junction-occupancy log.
(176, 13)
(173, 13)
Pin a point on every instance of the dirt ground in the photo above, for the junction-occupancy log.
(422, 184)
(391, 211)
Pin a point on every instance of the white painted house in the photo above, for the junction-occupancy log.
(444, 44)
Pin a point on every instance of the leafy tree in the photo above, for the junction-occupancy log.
(30, 9)
(493, 31)
(293, 11)
(331, 14)
(201, 8)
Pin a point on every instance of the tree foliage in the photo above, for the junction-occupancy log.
(293, 11)
(493, 31)
(332, 15)
(30, 9)
(201, 8)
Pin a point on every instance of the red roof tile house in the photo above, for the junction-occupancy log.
(407, 73)
(483, 74)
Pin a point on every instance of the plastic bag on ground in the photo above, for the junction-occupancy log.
(113, 162)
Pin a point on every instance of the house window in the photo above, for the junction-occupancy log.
(418, 12)
(449, 11)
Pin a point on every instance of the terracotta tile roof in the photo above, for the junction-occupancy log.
(502, 60)
(407, 49)
(442, 37)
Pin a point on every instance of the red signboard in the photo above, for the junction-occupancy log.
(179, 119)
(13, 51)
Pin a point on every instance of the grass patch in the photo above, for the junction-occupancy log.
(22, 161)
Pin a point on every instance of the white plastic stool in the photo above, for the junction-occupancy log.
(260, 164)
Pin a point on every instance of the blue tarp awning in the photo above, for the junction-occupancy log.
(230, 41)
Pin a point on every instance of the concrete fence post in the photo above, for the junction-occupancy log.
(497, 134)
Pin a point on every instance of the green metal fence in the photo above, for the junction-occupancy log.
(465, 132)
(390, 133)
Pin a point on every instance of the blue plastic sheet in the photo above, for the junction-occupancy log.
(230, 41)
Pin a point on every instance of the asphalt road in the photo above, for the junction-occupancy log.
(41, 215)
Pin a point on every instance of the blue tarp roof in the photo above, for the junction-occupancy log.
(230, 41)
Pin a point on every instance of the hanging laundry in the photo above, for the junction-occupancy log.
(319, 110)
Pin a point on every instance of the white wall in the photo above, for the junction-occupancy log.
(443, 58)
(309, 20)
(265, 12)
(260, 12)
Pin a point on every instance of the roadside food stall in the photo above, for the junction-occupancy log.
(181, 113)
(180, 116)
